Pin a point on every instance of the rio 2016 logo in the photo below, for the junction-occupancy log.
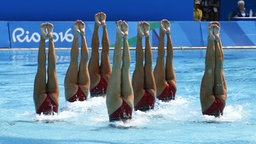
(20, 35)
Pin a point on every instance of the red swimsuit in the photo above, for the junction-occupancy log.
(146, 103)
(168, 93)
(100, 89)
(47, 107)
(216, 109)
(79, 96)
(124, 112)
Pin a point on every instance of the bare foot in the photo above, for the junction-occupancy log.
(140, 29)
(50, 30)
(43, 30)
(100, 18)
(46, 30)
(216, 23)
(124, 28)
(146, 27)
(81, 27)
(76, 26)
(210, 32)
(214, 31)
(103, 18)
(118, 27)
(165, 26)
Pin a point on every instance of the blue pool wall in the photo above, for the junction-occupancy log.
(26, 34)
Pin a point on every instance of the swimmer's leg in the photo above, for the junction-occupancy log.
(149, 78)
(83, 74)
(71, 78)
(40, 78)
(138, 74)
(105, 67)
(94, 70)
(220, 89)
(159, 71)
(207, 84)
(126, 86)
(113, 98)
(52, 84)
(170, 73)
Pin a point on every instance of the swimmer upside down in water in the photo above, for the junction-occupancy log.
(77, 80)
(164, 75)
(99, 73)
(120, 96)
(213, 93)
(46, 92)
(143, 80)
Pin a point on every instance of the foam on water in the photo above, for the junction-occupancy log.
(94, 111)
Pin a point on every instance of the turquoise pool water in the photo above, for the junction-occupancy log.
(178, 121)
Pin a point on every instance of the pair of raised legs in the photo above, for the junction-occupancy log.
(213, 91)
(77, 80)
(46, 90)
(99, 72)
(120, 96)
(164, 73)
(143, 80)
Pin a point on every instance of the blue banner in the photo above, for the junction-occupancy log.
(27, 34)
(4, 35)
(184, 33)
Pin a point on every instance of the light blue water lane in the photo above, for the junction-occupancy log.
(178, 121)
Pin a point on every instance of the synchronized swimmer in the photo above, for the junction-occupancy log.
(123, 95)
